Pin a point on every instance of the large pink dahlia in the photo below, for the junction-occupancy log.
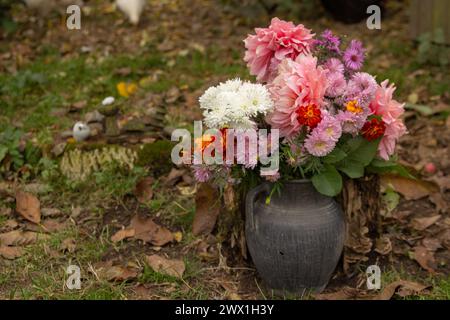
(299, 83)
(269, 46)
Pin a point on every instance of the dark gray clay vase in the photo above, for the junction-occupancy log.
(296, 240)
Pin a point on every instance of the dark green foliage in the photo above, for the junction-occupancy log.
(156, 156)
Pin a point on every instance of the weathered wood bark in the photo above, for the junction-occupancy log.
(361, 202)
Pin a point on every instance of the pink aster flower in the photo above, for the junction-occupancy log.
(336, 85)
(319, 144)
(390, 111)
(361, 87)
(351, 122)
(334, 65)
(202, 174)
(330, 127)
(269, 46)
(300, 83)
(354, 55)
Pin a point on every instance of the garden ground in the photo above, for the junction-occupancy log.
(51, 77)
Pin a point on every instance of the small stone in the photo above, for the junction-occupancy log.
(66, 134)
(59, 149)
(96, 129)
(109, 110)
(134, 125)
(111, 127)
(94, 116)
(108, 101)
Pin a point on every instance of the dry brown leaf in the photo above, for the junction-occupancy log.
(123, 234)
(53, 225)
(28, 206)
(144, 190)
(207, 204)
(439, 201)
(119, 273)
(10, 253)
(411, 189)
(170, 267)
(383, 245)
(424, 258)
(346, 293)
(50, 212)
(18, 238)
(432, 244)
(68, 245)
(173, 177)
(148, 231)
(423, 223)
(10, 224)
(405, 286)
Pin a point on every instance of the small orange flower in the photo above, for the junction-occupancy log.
(373, 129)
(309, 116)
(126, 89)
(353, 107)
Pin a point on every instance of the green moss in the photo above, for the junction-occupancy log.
(156, 156)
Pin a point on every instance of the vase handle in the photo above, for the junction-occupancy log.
(250, 201)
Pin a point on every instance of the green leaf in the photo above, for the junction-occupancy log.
(392, 168)
(335, 156)
(363, 150)
(328, 182)
(422, 109)
(352, 168)
(3, 152)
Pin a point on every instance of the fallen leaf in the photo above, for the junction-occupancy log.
(423, 223)
(389, 291)
(10, 253)
(148, 231)
(28, 206)
(431, 244)
(170, 267)
(9, 225)
(424, 258)
(50, 212)
(207, 208)
(18, 238)
(68, 245)
(383, 245)
(144, 190)
(346, 293)
(439, 201)
(53, 225)
(411, 189)
(119, 273)
(174, 175)
(123, 234)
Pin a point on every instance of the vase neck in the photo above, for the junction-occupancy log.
(298, 193)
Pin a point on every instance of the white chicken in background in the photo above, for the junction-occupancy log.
(132, 9)
(81, 131)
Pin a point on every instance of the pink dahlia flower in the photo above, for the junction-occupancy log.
(300, 83)
(390, 111)
(271, 45)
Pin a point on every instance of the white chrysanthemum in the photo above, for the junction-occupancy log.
(234, 103)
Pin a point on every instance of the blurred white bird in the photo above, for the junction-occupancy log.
(81, 131)
(132, 9)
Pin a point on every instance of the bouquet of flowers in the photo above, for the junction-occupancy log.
(330, 118)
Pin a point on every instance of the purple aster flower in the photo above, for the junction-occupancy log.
(319, 144)
(354, 55)
(330, 41)
(202, 174)
(361, 87)
(336, 84)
